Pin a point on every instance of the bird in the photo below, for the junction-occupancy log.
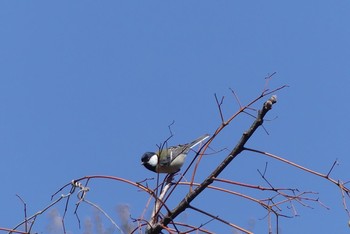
(171, 159)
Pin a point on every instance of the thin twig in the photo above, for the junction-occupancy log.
(267, 80)
(334, 164)
(236, 97)
(25, 213)
(259, 187)
(194, 228)
(220, 219)
(219, 104)
(342, 190)
(298, 166)
(12, 230)
(104, 213)
(41, 211)
(263, 176)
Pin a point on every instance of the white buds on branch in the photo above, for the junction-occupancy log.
(272, 100)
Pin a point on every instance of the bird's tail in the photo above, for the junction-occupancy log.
(198, 141)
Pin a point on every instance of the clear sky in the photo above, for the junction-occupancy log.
(86, 87)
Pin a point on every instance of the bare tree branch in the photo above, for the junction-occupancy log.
(184, 204)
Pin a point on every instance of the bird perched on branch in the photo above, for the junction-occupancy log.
(169, 160)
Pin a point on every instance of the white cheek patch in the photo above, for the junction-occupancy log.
(153, 161)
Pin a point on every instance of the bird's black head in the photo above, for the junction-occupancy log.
(150, 160)
(146, 157)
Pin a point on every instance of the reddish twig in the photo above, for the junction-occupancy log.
(12, 230)
(220, 219)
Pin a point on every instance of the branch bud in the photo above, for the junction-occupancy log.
(270, 102)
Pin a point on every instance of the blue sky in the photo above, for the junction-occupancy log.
(87, 87)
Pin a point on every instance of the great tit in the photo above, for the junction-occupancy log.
(169, 160)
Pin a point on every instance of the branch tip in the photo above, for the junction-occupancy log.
(272, 100)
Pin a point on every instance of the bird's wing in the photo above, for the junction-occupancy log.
(167, 156)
